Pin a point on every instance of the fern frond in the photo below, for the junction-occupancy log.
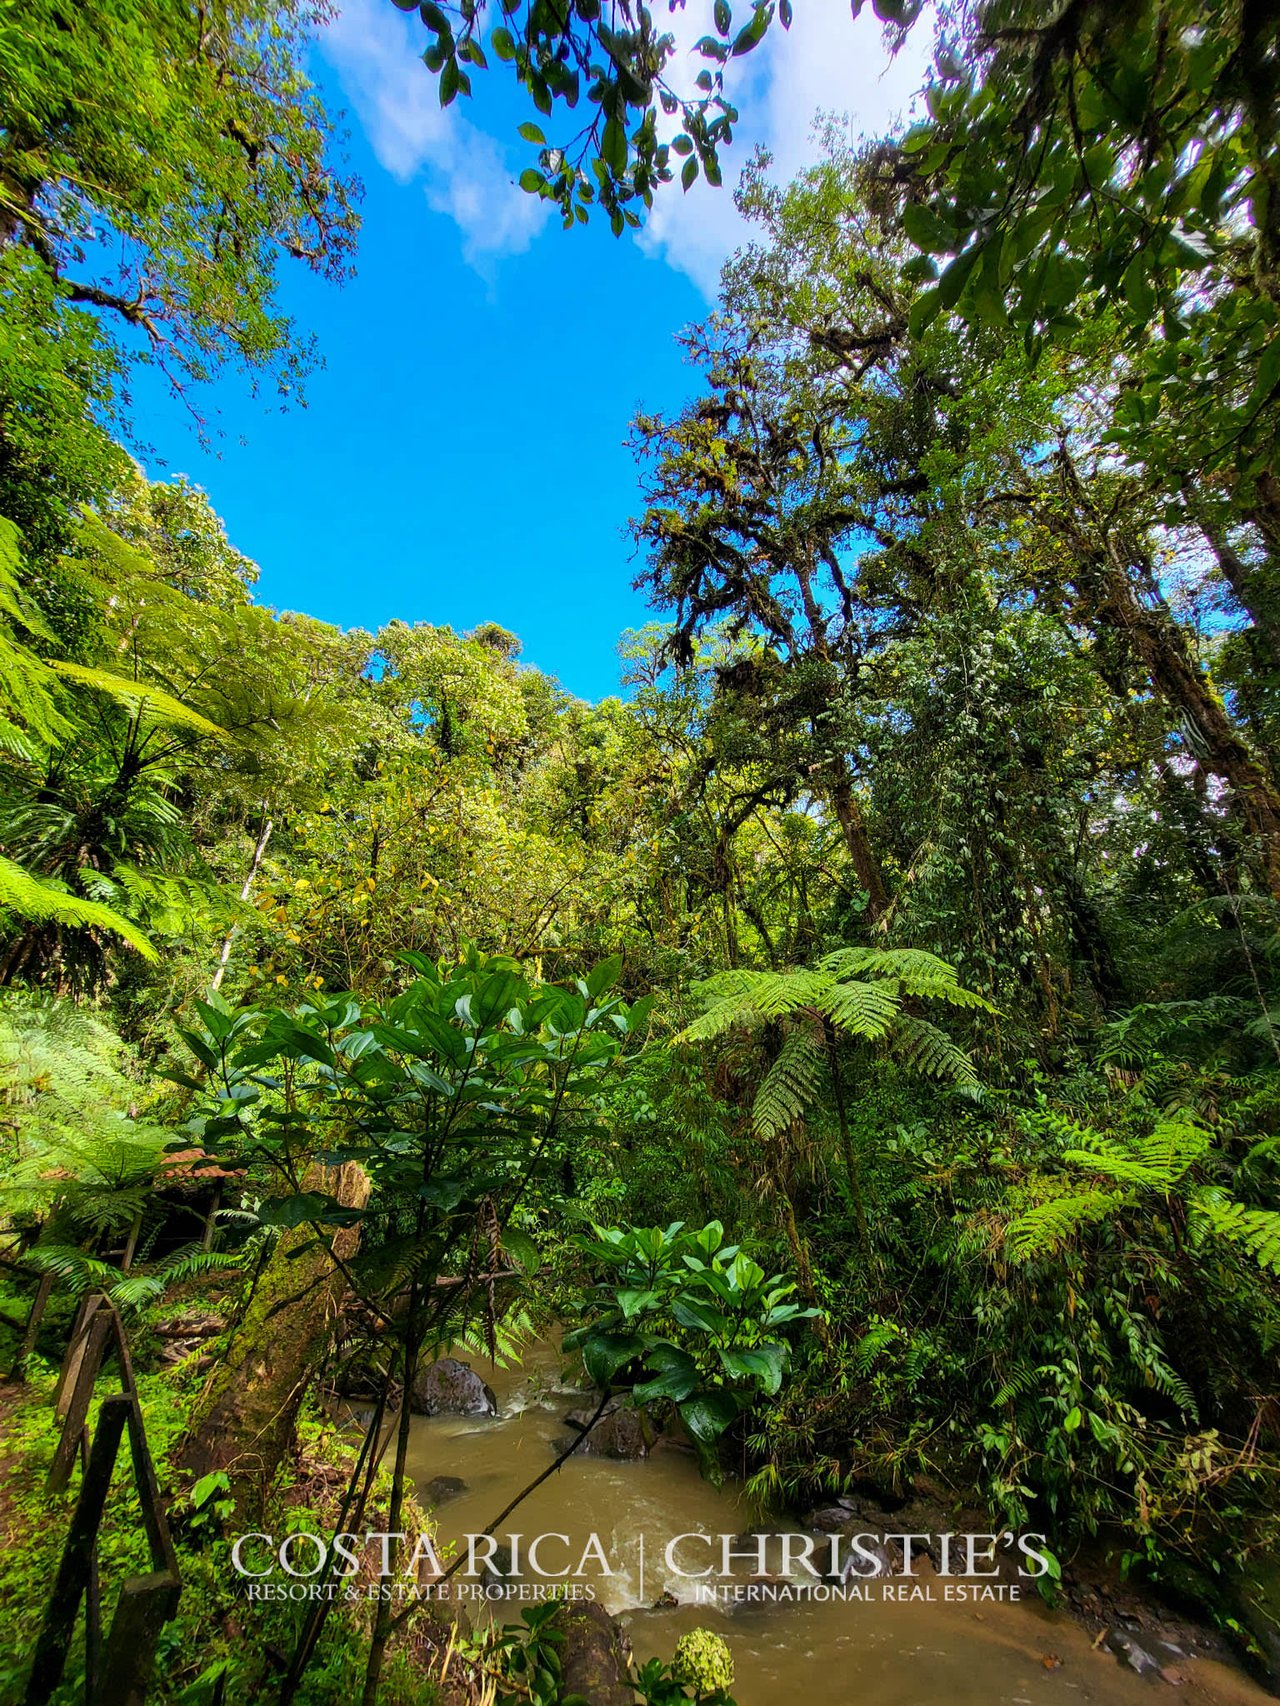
(1138, 1035)
(1049, 1225)
(751, 998)
(152, 702)
(861, 1009)
(790, 1086)
(1023, 1378)
(1156, 1161)
(31, 897)
(904, 964)
(1256, 1230)
(27, 684)
(931, 1052)
(873, 1343)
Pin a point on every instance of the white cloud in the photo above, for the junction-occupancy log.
(377, 50)
(827, 62)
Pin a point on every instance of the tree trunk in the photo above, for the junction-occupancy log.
(849, 817)
(259, 853)
(244, 1422)
(1155, 639)
(1214, 739)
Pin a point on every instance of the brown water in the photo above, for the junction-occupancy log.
(892, 1654)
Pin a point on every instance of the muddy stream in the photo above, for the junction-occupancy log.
(785, 1654)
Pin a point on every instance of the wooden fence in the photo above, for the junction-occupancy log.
(117, 1670)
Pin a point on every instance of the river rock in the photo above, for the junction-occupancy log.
(840, 1563)
(833, 1518)
(450, 1388)
(497, 1573)
(620, 1432)
(593, 1655)
(441, 1488)
(1129, 1653)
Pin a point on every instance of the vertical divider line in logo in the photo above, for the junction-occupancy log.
(643, 1599)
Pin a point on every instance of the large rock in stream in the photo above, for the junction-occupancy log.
(450, 1388)
(593, 1655)
(620, 1432)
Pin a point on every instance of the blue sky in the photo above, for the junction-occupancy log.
(462, 457)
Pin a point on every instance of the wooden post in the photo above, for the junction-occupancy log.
(163, 1555)
(74, 1352)
(73, 1570)
(145, 1605)
(88, 1362)
(81, 1396)
(117, 1673)
(38, 1304)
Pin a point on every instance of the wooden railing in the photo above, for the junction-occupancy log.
(117, 1671)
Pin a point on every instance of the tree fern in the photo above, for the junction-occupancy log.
(855, 992)
(860, 990)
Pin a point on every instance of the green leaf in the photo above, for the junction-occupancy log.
(707, 1415)
(956, 276)
(308, 1205)
(613, 147)
(604, 976)
(924, 311)
(675, 1375)
(927, 229)
(531, 133)
(753, 33)
(521, 1249)
(634, 1302)
(603, 1354)
(760, 1363)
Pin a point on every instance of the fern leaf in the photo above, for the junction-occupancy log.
(790, 1086)
(1049, 1225)
(43, 903)
(151, 701)
(873, 1343)
(931, 1052)
(1256, 1230)
(861, 1009)
(751, 998)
